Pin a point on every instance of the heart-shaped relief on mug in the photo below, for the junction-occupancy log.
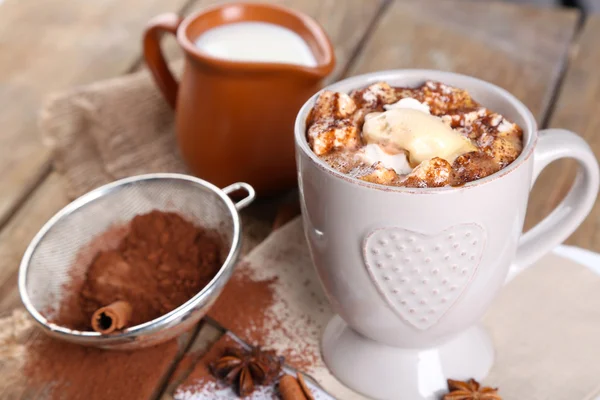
(422, 276)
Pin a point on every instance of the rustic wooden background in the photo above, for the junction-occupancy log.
(548, 57)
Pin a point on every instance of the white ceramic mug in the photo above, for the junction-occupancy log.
(411, 271)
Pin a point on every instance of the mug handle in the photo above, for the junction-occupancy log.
(164, 23)
(554, 144)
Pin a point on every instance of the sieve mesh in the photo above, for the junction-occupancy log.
(52, 261)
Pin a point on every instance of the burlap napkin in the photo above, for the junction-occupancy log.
(109, 130)
(545, 324)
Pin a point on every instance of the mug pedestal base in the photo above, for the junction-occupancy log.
(385, 372)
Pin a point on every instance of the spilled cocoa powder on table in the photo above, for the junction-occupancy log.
(34, 366)
(248, 307)
(160, 262)
(57, 370)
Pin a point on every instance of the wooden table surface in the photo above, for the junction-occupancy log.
(549, 58)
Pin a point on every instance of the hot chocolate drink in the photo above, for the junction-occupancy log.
(430, 136)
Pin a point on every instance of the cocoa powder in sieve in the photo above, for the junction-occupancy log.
(161, 262)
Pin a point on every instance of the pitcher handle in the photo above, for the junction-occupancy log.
(555, 144)
(164, 23)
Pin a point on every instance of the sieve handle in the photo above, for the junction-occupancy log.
(251, 194)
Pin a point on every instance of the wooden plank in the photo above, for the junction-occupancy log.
(521, 48)
(591, 6)
(576, 109)
(50, 45)
(16, 235)
(544, 3)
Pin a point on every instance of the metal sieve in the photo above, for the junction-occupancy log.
(48, 263)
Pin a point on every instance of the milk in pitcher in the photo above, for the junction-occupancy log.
(256, 42)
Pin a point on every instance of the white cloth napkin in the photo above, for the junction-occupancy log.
(545, 324)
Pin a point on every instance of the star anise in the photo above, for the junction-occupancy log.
(246, 369)
(470, 390)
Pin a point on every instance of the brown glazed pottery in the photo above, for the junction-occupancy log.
(235, 120)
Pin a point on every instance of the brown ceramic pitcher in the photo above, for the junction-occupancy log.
(235, 120)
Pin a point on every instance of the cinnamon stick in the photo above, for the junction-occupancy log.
(305, 387)
(113, 317)
(291, 388)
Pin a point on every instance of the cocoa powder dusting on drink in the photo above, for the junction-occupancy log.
(161, 262)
